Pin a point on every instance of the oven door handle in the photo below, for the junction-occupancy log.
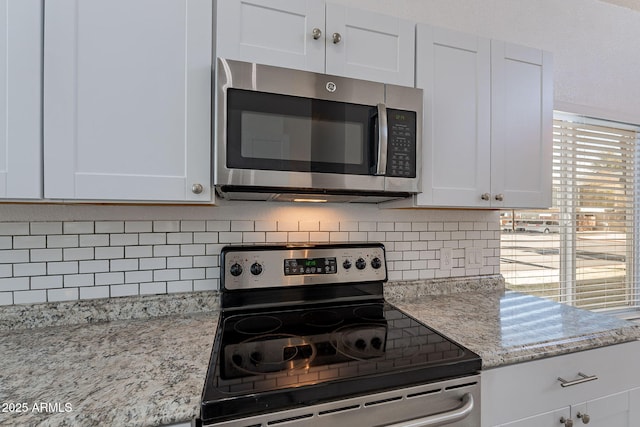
(443, 418)
(383, 139)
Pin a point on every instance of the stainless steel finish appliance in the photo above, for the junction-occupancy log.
(283, 134)
(305, 338)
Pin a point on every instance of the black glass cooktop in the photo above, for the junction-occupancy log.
(284, 358)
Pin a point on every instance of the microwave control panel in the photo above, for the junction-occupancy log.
(401, 149)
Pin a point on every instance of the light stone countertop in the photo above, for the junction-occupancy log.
(151, 370)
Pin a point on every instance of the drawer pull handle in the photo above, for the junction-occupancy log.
(583, 379)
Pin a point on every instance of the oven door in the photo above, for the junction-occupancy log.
(278, 128)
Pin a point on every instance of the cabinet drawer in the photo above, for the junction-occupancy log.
(517, 391)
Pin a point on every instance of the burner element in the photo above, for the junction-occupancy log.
(361, 341)
(370, 312)
(322, 318)
(257, 325)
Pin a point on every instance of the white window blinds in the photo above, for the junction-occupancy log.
(581, 251)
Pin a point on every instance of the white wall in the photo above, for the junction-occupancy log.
(595, 44)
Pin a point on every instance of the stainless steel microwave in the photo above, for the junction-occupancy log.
(290, 135)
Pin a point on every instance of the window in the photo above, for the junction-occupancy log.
(581, 251)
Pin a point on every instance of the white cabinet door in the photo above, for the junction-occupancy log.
(548, 419)
(454, 70)
(369, 46)
(634, 405)
(20, 92)
(608, 411)
(272, 32)
(522, 120)
(127, 99)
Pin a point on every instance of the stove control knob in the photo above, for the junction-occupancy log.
(236, 359)
(256, 268)
(256, 358)
(236, 269)
(361, 344)
(346, 264)
(376, 263)
(361, 264)
(376, 343)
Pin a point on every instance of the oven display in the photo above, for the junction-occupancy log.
(297, 266)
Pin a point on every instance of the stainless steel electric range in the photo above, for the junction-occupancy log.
(305, 338)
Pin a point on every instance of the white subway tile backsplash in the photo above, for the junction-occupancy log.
(180, 286)
(138, 226)
(29, 242)
(14, 228)
(38, 228)
(6, 298)
(138, 276)
(77, 254)
(11, 256)
(153, 288)
(74, 280)
(94, 292)
(166, 226)
(30, 297)
(77, 227)
(111, 252)
(46, 282)
(58, 260)
(124, 264)
(109, 226)
(241, 225)
(6, 242)
(115, 278)
(67, 267)
(70, 294)
(6, 270)
(138, 251)
(31, 269)
(97, 266)
(94, 240)
(14, 284)
(124, 239)
(124, 290)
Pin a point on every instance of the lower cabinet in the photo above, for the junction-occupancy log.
(599, 387)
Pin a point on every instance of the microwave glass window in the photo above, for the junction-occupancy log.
(287, 133)
(274, 136)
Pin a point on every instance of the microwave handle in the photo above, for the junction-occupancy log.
(383, 139)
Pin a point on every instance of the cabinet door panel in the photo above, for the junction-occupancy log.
(454, 71)
(272, 32)
(20, 90)
(608, 411)
(127, 99)
(522, 109)
(372, 46)
(548, 419)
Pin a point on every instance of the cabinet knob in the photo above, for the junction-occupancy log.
(316, 33)
(336, 38)
(197, 188)
(568, 422)
(485, 196)
(499, 197)
(584, 417)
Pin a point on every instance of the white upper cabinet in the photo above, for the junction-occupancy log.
(127, 99)
(272, 32)
(487, 139)
(522, 126)
(454, 69)
(20, 91)
(313, 36)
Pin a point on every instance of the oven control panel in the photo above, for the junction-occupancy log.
(247, 267)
